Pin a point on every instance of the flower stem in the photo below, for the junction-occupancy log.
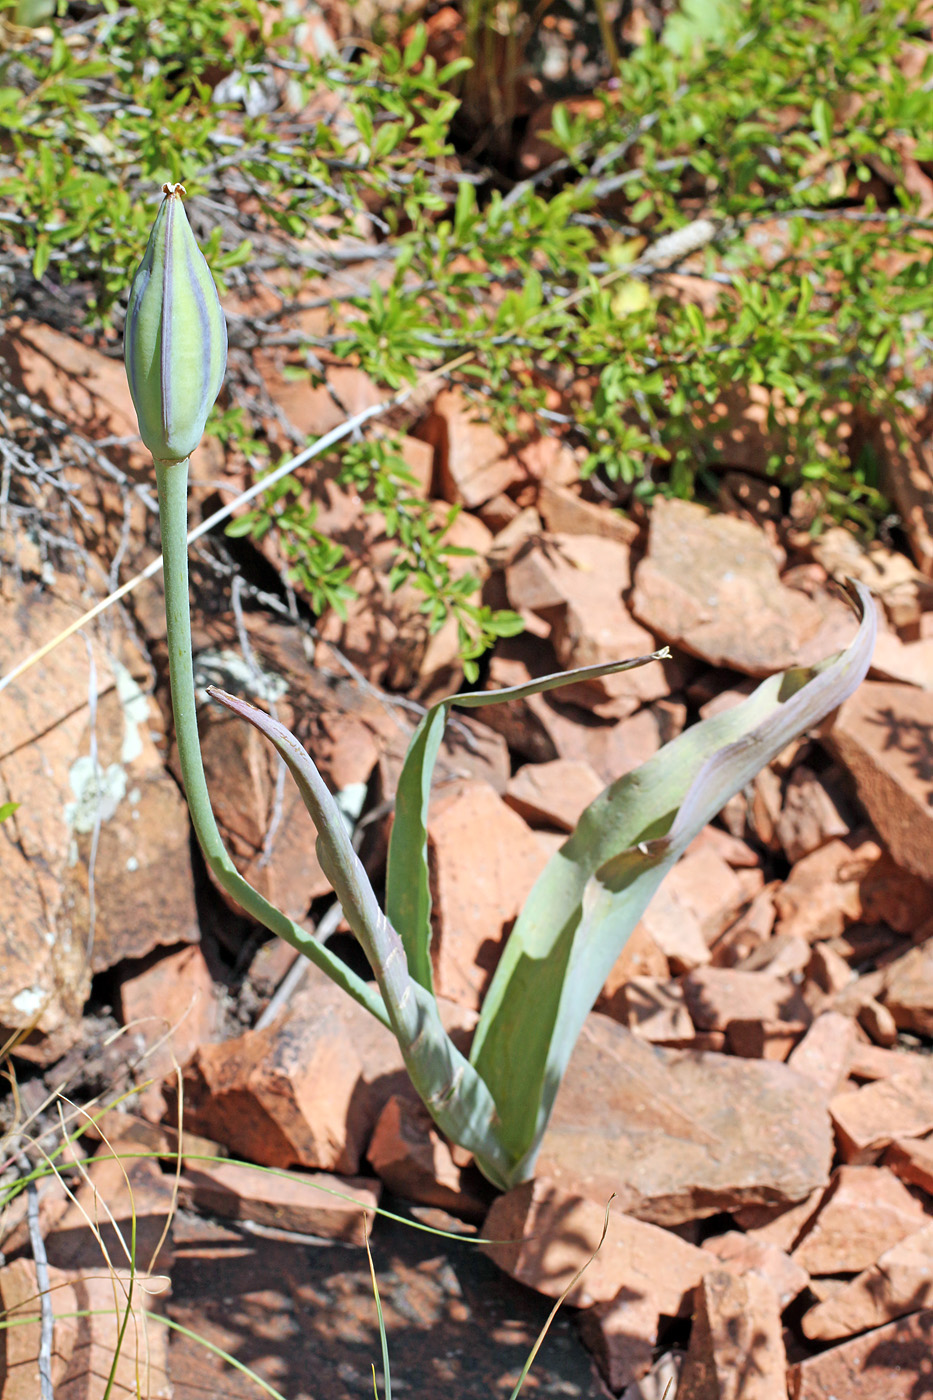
(172, 479)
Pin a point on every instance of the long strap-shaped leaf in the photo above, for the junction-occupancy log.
(447, 1083)
(408, 893)
(593, 891)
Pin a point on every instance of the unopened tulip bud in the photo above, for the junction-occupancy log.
(175, 342)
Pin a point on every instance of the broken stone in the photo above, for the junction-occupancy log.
(413, 1161)
(718, 996)
(829, 970)
(778, 1225)
(823, 893)
(655, 1011)
(710, 584)
(865, 1211)
(740, 1254)
(900, 1282)
(752, 930)
(641, 957)
(764, 1040)
(810, 815)
(782, 956)
(306, 1091)
(889, 1363)
(882, 735)
(564, 512)
(86, 1337)
(912, 1161)
(867, 1120)
(706, 885)
(331, 1207)
(639, 1273)
(736, 1347)
(170, 1009)
(473, 460)
(824, 1054)
(553, 794)
(908, 990)
(877, 1023)
(117, 812)
(682, 1135)
(483, 862)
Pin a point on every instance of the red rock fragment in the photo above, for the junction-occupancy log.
(881, 734)
(553, 794)
(865, 1211)
(742, 1254)
(473, 460)
(912, 1161)
(483, 862)
(867, 1120)
(171, 1009)
(681, 1135)
(908, 990)
(313, 1203)
(710, 583)
(824, 1053)
(639, 1273)
(810, 815)
(412, 1159)
(889, 1363)
(655, 1011)
(900, 1282)
(718, 996)
(736, 1347)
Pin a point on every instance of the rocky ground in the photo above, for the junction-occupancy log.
(754, 1089)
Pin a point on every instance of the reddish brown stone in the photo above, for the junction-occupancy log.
(882, 735)
(908, 990)
(473, 460)
(736, 1347)
(864, 1212)
(655, 1011)
(778, 1225)
(822, 893)
(639, 1273)
(553, 794)
(809, 816)
(710, 584)
(742, 1254)
(682, 1135)
(718, 996)
(170, 1009)
(412, 1159)
(564, 512)
(900, 1282)
(890, 1363)
(484, 861)
(313, 1203)
(867, 1120)
(825, 1052)
(912, 1161)
(304, 1092)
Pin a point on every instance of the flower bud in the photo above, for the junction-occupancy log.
(175, 341)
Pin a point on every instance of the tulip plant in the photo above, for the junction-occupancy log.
(588, 899)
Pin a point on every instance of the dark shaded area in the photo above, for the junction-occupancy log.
(303, 1316)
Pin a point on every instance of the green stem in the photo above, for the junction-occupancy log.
(172, 479)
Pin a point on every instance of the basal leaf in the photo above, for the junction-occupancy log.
(591, 894)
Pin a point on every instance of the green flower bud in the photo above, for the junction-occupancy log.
(175, 341)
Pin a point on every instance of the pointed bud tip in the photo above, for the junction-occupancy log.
(174, 191)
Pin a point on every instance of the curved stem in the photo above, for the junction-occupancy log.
(172, 480)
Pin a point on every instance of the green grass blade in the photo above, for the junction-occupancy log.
(382, 1323)
(593, 891)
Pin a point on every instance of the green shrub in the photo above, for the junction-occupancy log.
(757, 129)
